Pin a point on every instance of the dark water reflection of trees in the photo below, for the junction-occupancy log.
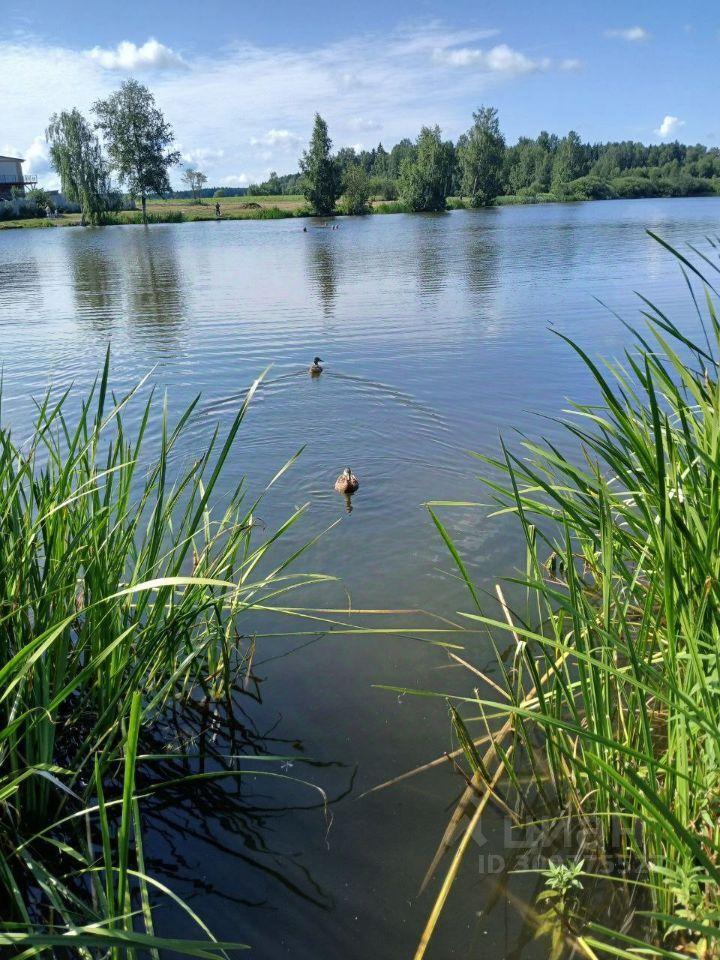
(209, 798)
(323, 266)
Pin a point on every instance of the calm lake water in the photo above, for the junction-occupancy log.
(437, 333)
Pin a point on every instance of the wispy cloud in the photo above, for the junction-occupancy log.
(669, 126)
(631, 34)
(571, 63)
(151, 55)
(251, 108)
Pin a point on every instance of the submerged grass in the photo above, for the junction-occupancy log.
(609, 699)
(120, 592)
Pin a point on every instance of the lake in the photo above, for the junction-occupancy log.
(438, 334)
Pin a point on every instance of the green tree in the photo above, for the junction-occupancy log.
(273, 185)
(76, 156)
(425, 183)
(357, 190)
(481, 154)
(189, 177)
(321, 179)
(38, 196)
(137, 138)
(569, 162)
(383, 188)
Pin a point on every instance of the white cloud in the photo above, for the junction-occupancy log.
(360, 84)
(128, 56)
(571, 64)
(236, 180)
(37, 157)
(462, 57)
(500, 59)
(200, 154)
(503, 59)
(274, 138)
(37, 161)
(631, 34)
(364, 123)
(669, 126)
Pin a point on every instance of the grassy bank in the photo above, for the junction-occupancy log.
(172, 210)
(266, 208)
(181, 211)
(122, 595)
(604, 717)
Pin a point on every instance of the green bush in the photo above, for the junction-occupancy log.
(356, 191)
(632, 188)
(585, 188)
(20, 209)
(383, 188)
(393, 206)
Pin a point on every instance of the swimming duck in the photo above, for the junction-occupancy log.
(347, 482)
(315, 368)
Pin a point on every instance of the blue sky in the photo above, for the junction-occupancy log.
(240, 82)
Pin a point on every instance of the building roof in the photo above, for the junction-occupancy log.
(19, 159)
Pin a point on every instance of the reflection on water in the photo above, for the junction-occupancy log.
(20, 277)
(482, 265)
(430, 248)
(220, 790)
(322, 266)
(155, 286)
(434, 333)
(96, 281)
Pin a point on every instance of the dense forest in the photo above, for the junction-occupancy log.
(546, 168)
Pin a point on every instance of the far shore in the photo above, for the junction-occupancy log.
(248, 207)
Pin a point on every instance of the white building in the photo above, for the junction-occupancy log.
(11, 175)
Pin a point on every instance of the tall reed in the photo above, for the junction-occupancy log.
(121, 590)
(610, 669)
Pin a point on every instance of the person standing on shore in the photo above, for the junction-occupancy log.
(218, 215)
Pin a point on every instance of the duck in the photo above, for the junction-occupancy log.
(315, 368)
(347, 482)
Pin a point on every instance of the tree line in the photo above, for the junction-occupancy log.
(482, 169)
(129, 138)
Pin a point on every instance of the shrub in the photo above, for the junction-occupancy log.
(383, 188)
(356, 191)
(585, 188)
(39, 197)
